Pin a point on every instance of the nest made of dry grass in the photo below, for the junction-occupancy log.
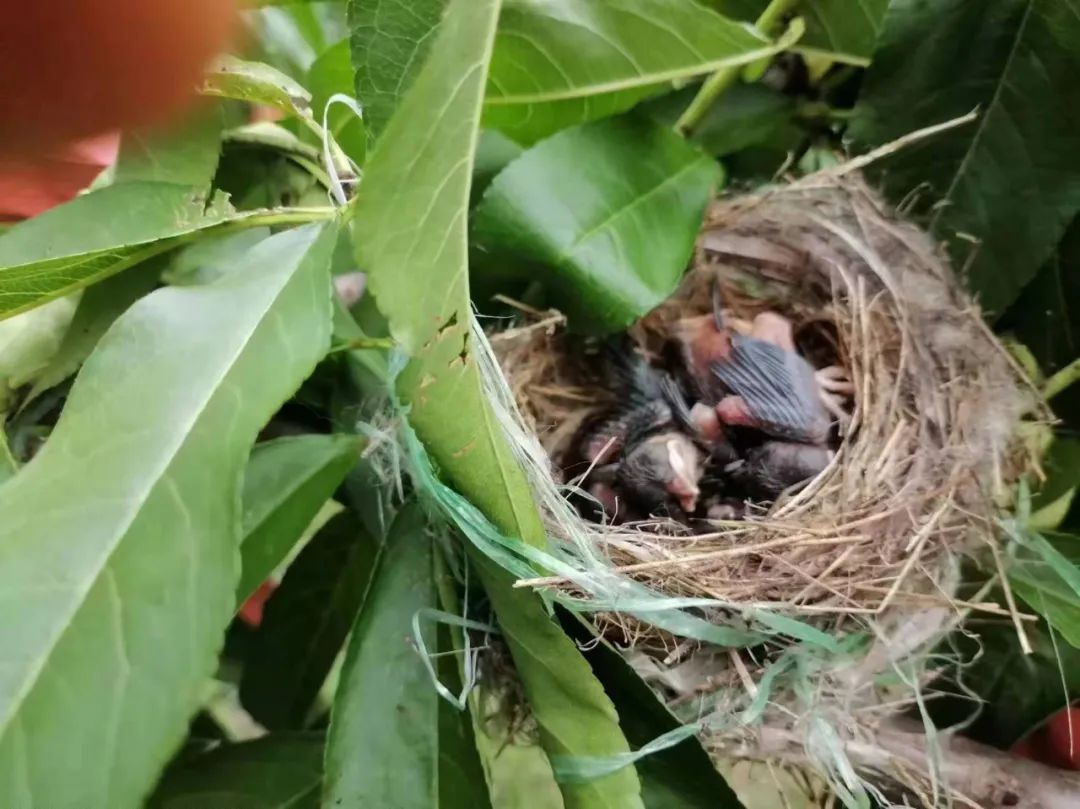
(926, 454)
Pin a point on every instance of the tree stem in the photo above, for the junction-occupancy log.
(1062, 379)
(718, 83)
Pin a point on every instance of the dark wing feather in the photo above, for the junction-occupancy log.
(676, 401)
(778, 387)
(630, 374)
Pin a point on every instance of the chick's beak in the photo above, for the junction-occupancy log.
(683, 484)
(688, 503)
(685, 492)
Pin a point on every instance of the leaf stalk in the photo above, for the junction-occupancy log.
(1062, 379)
(719, 82)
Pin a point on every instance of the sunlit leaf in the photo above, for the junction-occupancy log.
(257, 83)
(410, 232)
(608, 210)
(332, 73)
(98, 307)
(563, 62)
(122, 531)
(95, 236)
(210, 258)
(1047, 577)
(576, 718)
(28, 344)
(186, 154)
(681, 777)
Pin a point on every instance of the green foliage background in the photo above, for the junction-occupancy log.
(188, 409)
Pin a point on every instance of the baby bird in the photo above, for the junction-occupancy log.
(660, 470)
(757, 380)
(649, 399)
(774, 466)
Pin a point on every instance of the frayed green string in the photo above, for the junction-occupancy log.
(579, 769)
(469, 666)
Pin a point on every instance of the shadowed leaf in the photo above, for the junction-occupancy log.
(1004, 188)
(286, 483)
(305, 623)
(283, 771)
(383, 744)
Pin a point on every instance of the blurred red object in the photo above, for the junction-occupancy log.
(28, 187)
(251, 612)
(75, 69)
(1056, 743)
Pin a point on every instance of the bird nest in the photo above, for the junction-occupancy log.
(925, 449)
(924, 455)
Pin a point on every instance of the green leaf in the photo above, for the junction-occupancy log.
(390, 41)
(28, 344)
(1061, 465)
(681, 777)
(575, 716)
(843, 30)
(840, 30)
(305, 623)
(1046, 317)
(120, 535)
(210, 258)
(746, 115)
(516, 765)
(494, 152)
(98, 307)
(282, 771)
(1018, 60)
(400, 223)
(383, 744)
(256, 83)
(1006, 693)
(332, 73)
(563, 62)
(462, 784)
(286, 483)
(8, 465)
(611, 211)
(1047, 580)
(97, 235)
(410, 233)
(185, 155)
